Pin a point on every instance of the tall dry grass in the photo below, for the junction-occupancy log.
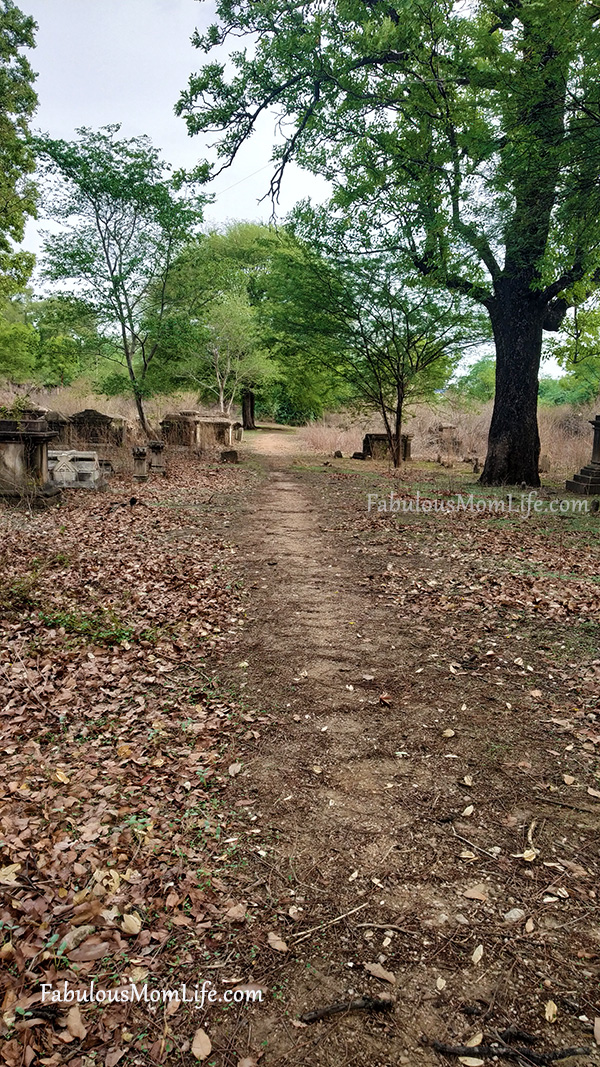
(565, 433)
(72, 398)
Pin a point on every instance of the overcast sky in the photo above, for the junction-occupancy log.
(104, 61)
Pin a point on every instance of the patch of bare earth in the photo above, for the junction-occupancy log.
(424, 810)
(383, 782)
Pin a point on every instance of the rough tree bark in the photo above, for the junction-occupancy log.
(517, 317)
(248, 410)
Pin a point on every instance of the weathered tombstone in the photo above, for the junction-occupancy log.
(190, 429)
(587, 482)
(140, 469)
(61, 425)
(358, 455)
(229, 456)
(157, 459)
(96, 428)
(75, 470)
(376, 446)
(180, 429)
(24, 455)
(337, 454)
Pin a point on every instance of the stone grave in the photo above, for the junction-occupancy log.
(375, 446)
(157, 459)
(73, 469)
(587, 482)
(96, 428)
(191, 429)
(24, 455)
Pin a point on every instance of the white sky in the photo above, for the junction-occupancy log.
(105, 61)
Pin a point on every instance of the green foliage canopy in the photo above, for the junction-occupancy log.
(123, 220)
(469, 133)
(18, 102)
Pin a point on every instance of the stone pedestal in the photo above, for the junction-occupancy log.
(140, 467)
(24, 455)
(157, 459)
(587, 482)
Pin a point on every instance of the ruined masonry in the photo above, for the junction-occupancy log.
(74, 469)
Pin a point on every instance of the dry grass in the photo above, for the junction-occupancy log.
(73, 398)
(566, 436)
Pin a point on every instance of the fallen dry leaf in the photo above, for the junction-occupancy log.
(478, 954)
(234, 769)
(74, 1023)
(380, 972)
(477, 892)
(132, 924)
(237, 913)
(113, 1056)
(550, 1011)
(201, 1045)
(8, 875)
(276, 942)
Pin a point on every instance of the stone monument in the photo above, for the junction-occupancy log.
(587, 482)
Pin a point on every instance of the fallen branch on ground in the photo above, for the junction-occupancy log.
(540, 1059)
(358, 1004)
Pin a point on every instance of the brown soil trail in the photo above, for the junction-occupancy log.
(358, 787)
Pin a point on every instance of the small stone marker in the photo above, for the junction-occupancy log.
(157, 459)
(140, 469)
(230, 456)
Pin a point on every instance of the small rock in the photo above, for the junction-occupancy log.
(515, 915)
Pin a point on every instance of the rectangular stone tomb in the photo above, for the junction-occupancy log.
(190, 429)
(587, 482)
(74, 469)
(376, 446)
(24, 455)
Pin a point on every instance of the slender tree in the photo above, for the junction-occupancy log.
(123, 220)
(348, 313)
(469, 134)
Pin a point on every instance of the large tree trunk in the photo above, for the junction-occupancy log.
(248, 410)
(514, 443)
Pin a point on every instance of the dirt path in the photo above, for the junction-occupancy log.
(362, 805)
